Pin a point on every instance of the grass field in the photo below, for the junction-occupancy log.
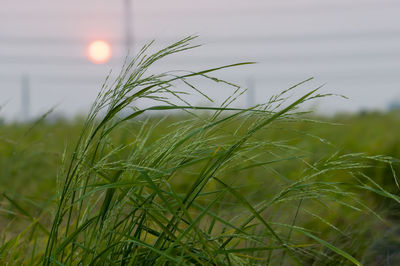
(202, 186)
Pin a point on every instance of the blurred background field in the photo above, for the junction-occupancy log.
(31, 152)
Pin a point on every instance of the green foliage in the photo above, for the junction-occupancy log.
(215, 186)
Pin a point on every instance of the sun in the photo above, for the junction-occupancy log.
(99, 52)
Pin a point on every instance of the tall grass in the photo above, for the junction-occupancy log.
(205, 192)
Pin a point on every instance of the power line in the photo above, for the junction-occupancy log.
(211, 12)
(355, 74)
(196, 59)
(324, 36)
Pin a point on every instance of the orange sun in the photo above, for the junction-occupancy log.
(99, 52)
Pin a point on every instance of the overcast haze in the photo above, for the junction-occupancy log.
(351, 46)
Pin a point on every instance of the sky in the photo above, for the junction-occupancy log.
(350, 47)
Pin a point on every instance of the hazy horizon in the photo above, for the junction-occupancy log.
(351, 47)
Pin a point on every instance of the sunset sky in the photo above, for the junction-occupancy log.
(353, 47)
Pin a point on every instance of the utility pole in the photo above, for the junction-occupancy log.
(250, 92)
(25, 98)
(128, 26)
